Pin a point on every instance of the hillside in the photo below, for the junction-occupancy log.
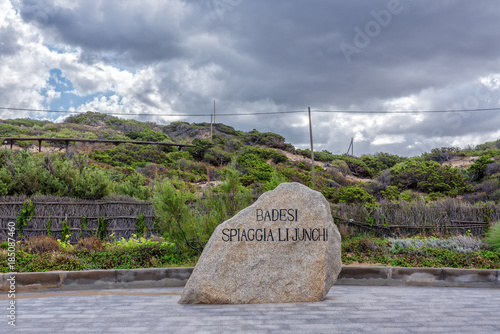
(93, 171)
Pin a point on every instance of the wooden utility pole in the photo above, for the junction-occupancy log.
(211, 116)
(351, 147)
(208, 175)
(214, 111)
(211, 139)
(312, 150)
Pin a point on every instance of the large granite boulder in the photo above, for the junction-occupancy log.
(283, 248)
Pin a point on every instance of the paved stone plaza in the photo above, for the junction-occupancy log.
(346, 309)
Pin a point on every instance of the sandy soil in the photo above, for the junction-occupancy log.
(34, 148)
(460, 162)
(297, 158)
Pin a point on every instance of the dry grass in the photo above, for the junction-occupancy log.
(90, 245)
(40, 244)
(419, 213)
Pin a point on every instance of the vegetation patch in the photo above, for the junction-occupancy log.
(455, 252)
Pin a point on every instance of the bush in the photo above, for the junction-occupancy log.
(442, 154)
(348, 195)
(91, 184)
(171, 202)
(255, 169)
(48, 261)
(134, 253)
(428, 176)
(276, 179)
(23, 173)
(202, 146)
(478, 169)
(391, 193)
(461, 244)
(381, 161)
(130, 155)
(134, 186)
(89, 245)
(356, 165)
(217, 156)
(40, 244)
(147, 134)
(268, 139)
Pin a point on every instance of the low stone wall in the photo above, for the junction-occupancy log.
(445, 277)
(177, 277)
(99, 279)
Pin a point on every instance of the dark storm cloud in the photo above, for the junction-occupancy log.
(294, 45)
(101, 27)
(293, 54)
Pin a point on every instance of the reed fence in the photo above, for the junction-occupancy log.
(450, 216)
(120, 214)
(446, 217)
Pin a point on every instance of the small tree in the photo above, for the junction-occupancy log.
(202, 146)
(478, 168)
(172, 204)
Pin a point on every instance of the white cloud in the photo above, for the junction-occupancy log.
(388, 140)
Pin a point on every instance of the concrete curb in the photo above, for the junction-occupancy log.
(177, 277)
(439, 277)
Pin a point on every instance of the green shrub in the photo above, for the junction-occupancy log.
(202, 146)
(276, 179)
(391, 193)
(91, 184)
(255, 169)
(231, 197)
(429, 177)
(23, 173)
(348, 195)
(171, 202)
(65, 234)
(8, 130)
(140, 225)
(134, 186)
(268, 139)
(134, 253)
(147, 134)
(217, 156)
(24, 216)
(478, 168)
(48, 261)
(130, 155)
(340, 165)
(102, 227)
(83, 226)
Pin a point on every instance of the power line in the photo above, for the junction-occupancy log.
(402, 111)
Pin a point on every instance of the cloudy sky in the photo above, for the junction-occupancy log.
(174, 57)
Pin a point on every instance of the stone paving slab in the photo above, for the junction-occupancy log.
(346, 309)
